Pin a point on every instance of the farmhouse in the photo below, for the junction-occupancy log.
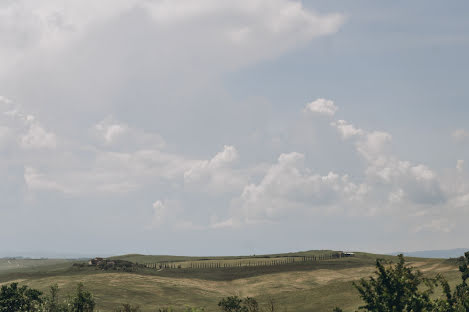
(96, 261)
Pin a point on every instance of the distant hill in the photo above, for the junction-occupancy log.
(449, 253)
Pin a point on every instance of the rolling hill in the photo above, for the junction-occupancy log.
(296, 286)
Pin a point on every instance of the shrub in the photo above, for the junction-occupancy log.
(83, 301)
(19, 299)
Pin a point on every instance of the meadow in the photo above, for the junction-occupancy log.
(293, 286)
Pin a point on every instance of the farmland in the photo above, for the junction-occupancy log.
(294, 286)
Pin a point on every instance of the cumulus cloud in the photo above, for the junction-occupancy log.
(322, 106)
(216, 174)
(38, 137)
(415, 182)
(239, 29)
(160, 213)
(109, 131)
(289, 187)
(346, 129)
(25, 128)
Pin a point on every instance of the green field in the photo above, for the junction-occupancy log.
(297, 286)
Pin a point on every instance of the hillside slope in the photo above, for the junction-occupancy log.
(318, 286)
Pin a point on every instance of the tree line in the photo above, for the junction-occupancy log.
(245, 263)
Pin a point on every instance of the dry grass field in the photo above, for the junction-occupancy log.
(318, 286)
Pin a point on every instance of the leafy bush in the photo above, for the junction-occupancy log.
(236, 304)
(19, 299)
(83, 300)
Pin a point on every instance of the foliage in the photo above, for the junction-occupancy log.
(251, 304)
(231, 304)
(14, 298)
(83, 300)
(236, 304)
(457, 301)
(51, 302)
(397, 288)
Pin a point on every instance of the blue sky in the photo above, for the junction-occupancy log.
(232, 127)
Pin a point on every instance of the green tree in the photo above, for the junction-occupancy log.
(457, 301)
(396, 288)
(251, 304)
(232, 304)
(236, 304)
(83, 300)
(51, 302)
(19, 299)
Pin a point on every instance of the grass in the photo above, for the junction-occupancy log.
(318, 286)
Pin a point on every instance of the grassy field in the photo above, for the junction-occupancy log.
(318, 286)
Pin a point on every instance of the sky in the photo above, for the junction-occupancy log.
(218, 127)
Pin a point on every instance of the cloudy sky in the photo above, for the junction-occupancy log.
(216, 127)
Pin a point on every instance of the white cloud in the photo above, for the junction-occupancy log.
(460, 135)
(289, 187)
(124, 137)
(396, 197)
(228, 223)
(169, 214)
(270, 26)
(277, 17)
(37, 137)
(160, 212)
(4, 100)
(322, 106)
(26, 128)
(414, 182)
(460, 165)
(225, 157)
(217, 174)
(347, 130)
(37, 181)
(374, 144)
(109, 131)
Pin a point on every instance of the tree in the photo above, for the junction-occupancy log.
(19, 299)
(397, 288)
(457, 301)
(251, 304)
(83, 300)
(461, 295)
(231, 304)
(236, 304)
(51, 302)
